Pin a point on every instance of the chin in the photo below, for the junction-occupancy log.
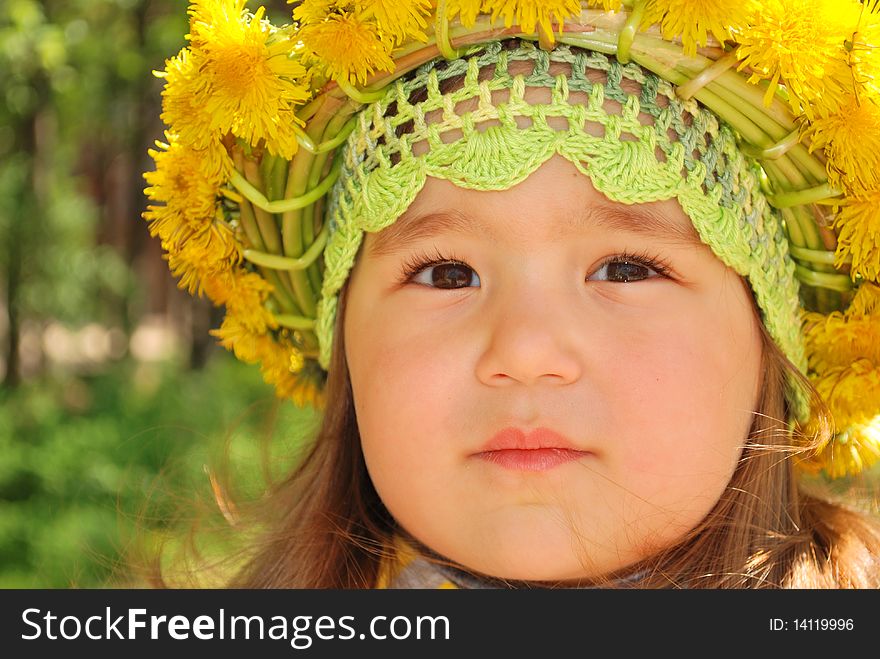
(541, 559)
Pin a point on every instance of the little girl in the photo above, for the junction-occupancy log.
(563, 281)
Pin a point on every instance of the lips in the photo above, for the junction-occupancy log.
(537, 450)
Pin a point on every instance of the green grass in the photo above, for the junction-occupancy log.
(91, 464)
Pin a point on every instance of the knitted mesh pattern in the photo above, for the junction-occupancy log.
(620, 125)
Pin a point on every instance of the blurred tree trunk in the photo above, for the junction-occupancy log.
(24, 229)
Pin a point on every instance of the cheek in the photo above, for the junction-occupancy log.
(404, 391)
(689, 398)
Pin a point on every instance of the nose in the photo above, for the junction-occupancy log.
(532, 337)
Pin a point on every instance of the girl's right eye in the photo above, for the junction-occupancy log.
(445, 275)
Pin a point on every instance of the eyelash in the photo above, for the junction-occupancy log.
(417, 262)
(657, 264)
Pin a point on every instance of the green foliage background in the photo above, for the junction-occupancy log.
(98, 458)
(93, 464)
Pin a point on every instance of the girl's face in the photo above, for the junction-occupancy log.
(548, 385)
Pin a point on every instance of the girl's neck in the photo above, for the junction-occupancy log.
(425, 568)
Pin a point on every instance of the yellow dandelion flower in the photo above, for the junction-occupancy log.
(203, 14)
(179, 179)
(466, 10)
(858, 224)
(244, 294)
(398, 19)
(203, 256)
(864, 57)
(851, 141)
(345, 47)
(308, 386)
(849, 453)
(853, 396)
(530, 13)
(276, 367)
(865, 302)
(293, 376)
(316, 11)
(840, 339)
(607, 5)
(694, 20)
(189, 195)
(181, 107)
(801, 44)
(251, 85)
(239, 338)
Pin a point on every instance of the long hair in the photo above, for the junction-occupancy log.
(324, 526)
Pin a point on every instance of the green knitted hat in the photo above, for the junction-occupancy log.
(700, 166)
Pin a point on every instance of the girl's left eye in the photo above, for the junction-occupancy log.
(626, 267)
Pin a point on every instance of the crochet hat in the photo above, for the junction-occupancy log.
(286, 144)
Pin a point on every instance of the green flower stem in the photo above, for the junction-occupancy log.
(297, 185)
(265, 221)
(302, 138)
(292, 237)
(802, 197)
(308, 231)
(308, 214)
(441, 32)
(360, 95)
(775, 151)
(814, 255)
(295, 321)
(797, 153)
(268, 228)
(343, 134)
(247, 217)
(280, 292)
(822, 280)
(278, 262)
(812, 239)
(706, 75)
(825, 294)
(801, 229)
(273, 169)
(258, 199)
(792, 227)
(314, 214)
(628, 33)
(249, 224)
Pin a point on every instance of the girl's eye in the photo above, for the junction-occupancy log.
(440, 273)
(625, 268)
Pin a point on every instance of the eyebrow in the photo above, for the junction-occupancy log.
(636, 219)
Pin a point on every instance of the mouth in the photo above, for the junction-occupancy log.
(538, 459)
(538, 450)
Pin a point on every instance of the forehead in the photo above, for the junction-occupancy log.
(555, 203)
